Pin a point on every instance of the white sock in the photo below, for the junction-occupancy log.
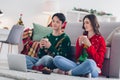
(70, 72)
(55, 70)
(89, 75)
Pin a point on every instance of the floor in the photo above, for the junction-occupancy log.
(3, 78)
(6, 74)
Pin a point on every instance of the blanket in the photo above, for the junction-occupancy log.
(31, 47)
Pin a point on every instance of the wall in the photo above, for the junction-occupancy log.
(110, 6)
(32, 9)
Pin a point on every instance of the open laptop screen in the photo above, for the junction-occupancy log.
(17, 62)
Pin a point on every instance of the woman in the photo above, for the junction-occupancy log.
(90, 50)
(56, 43)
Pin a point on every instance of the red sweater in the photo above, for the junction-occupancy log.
(96, 51)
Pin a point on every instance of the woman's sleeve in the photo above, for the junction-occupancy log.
(98, 55)
(78, 49)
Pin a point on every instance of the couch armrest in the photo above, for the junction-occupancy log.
(115, 57)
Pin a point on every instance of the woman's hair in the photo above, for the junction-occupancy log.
(93, 21)
(60, 16)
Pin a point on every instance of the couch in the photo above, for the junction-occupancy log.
(111, 65)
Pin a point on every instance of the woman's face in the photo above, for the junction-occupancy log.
(87, 25)
(56, 23)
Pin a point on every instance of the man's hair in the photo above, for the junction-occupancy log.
(60, 16)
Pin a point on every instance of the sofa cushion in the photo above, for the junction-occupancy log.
(109, 38)
(73, 30)
(40, 31)
(107, 54)
(106, 28)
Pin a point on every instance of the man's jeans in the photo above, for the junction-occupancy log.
(45, 61)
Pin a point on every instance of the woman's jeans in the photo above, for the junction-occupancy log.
(45, 61)
(88, 66)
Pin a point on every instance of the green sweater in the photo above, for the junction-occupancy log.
(62, 49)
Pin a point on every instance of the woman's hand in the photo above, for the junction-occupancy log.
(84, 40)
(80, 40)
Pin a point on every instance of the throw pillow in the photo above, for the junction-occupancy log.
(40, 31)
(109, 38)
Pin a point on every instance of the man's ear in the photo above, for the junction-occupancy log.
(64, 25)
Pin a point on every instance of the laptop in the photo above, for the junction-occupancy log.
(18, 62)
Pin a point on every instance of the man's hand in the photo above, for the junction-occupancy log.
(44, 43)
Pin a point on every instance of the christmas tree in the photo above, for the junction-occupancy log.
(20, 22)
